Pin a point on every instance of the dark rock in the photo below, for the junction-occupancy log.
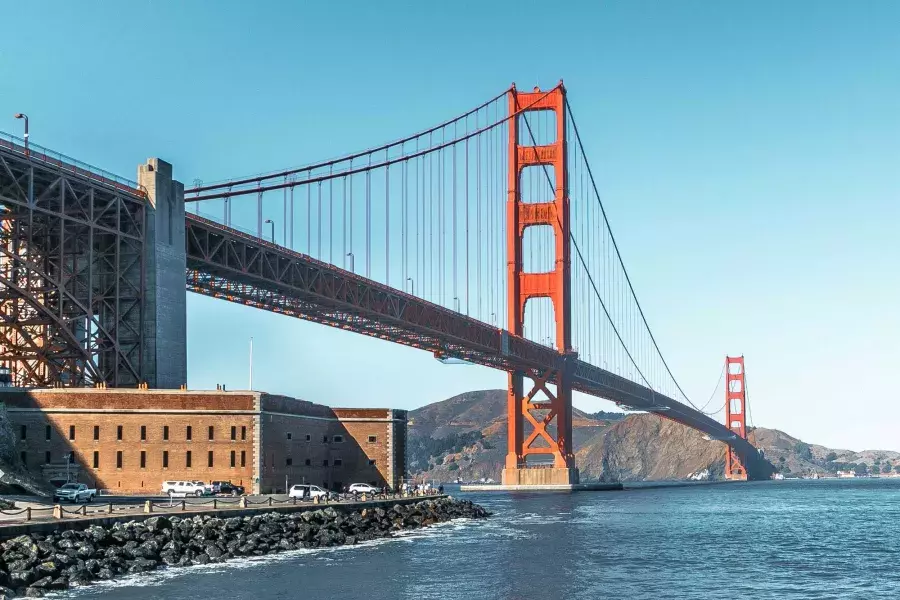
(141, 565)
(33, 592)
(158, 523)
(20, 565)
(93, 565)
(97, 534)
(56, 561)
(149, 549)
(43, 582)
(84, 549)
(21, 578)
(50, 567)
(46, 548)
(79, 576)
(6, 593)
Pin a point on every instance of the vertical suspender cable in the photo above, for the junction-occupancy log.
(330, 215)
(453, 193)
(309, 220)
(319, 216)
(467, 217)
(478, 241)
(387, 222)
(369, 220)
(350, 226)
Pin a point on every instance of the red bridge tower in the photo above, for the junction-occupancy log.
(548, 413)
(735, 412)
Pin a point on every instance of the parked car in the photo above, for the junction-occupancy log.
(307, 492)
(183, 488)
(363, 488)
(228, 488)
(207, 487)
(75, 492)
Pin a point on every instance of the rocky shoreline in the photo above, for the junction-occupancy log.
(32, 565)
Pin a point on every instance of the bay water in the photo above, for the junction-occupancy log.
(806, 539)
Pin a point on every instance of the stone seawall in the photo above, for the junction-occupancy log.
(36, 563)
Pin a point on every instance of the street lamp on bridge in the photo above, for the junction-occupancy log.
(352, 269)
(412, 286)
(272, 223)
(24, 116)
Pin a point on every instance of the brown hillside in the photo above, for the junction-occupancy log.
(642, 446)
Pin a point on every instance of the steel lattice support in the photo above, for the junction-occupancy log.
(735, 413)
(549, 413)
(71, 273)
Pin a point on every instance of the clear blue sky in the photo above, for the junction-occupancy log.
(748, 154)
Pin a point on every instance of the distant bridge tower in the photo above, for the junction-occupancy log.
(548, 412)
(735, 413)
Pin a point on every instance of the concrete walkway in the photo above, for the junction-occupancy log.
(32, 509)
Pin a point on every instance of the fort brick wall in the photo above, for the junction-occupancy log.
(130, 441)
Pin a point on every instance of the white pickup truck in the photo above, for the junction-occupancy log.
(180, 489)
(75, 492)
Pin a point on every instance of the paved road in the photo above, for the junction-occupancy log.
(42, 508)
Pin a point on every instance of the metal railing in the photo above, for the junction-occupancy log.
(60, 512)
(67, 163)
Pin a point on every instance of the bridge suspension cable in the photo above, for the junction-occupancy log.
(630, 323)
(416, 214)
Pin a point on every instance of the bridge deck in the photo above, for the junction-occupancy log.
(223, 262)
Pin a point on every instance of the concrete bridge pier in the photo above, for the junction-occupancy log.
(164, 357)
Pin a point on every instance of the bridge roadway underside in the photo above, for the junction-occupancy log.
(223, 262)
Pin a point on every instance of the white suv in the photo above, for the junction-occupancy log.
(307, 491)
(183, 488)
(363, 488)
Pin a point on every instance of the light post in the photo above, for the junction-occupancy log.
(456, 301)
(24, 116)
(272, 223)
(412, 286)
(68, 457)
(352, 267)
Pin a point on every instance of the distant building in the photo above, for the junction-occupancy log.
(129, 440)
(846, 474)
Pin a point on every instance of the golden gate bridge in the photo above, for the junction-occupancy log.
(483, 239)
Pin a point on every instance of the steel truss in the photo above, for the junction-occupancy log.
(72, 274)
(223, 262)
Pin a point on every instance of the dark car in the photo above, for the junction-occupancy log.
(227, 488)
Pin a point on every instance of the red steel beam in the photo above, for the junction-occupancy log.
(225, 263)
